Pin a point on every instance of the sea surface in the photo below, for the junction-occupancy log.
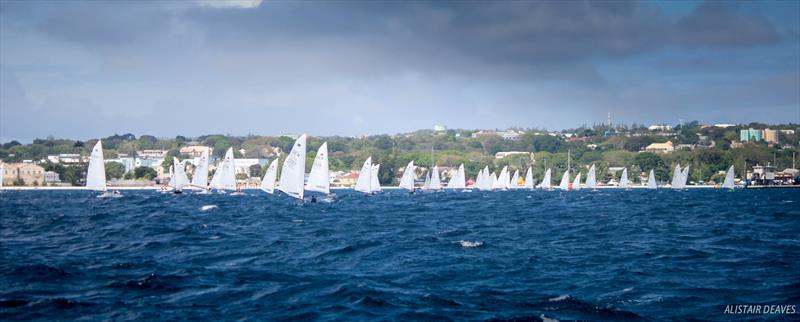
(610, 255)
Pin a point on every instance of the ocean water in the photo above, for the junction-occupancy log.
(527, 255)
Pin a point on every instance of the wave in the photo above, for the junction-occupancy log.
(470, 244)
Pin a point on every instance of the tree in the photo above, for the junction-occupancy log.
(115, 170)
(255, 171)
(146, 173)
(648, 160)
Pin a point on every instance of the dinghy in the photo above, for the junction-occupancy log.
(427, 185)
(514, 184)
(200, 177)
(179, 179)
(294, 170)
(458, 180)
(591, 178)
(676, 177)
(546, 181)
(576, 184)
(365, 177)
(407, 181)
(436, 183)
(96, 174)
(374, 183)
(651, 180)
(727, 184)
(564, 185)
(623, 180)
(268, 182)
(225, 176)
(319, 179)
(684, 176)
(529, 178)
(495, 182)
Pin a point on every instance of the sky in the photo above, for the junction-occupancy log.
(80, 70)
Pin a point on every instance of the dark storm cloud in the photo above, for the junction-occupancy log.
(135, 64)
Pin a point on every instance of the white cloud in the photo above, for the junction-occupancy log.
(244, 4)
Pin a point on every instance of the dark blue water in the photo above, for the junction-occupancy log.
(603, 255)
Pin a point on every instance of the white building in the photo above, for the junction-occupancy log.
(51, 177)
(500, 155)
(195, 151)
(660, 127)
(511, 135)
(243, 165)
(152, 154)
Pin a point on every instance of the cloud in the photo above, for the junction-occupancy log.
(719, 24)
(243, 4)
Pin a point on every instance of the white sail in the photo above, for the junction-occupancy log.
(320, 179)
(427, 184)
(374, 183)
(225, 176)
(564, 185)
(576, 184)
(200, 177)
(651, 180)
(364, 177)
(676, 177)
(503, 178)
(294, 169)
(515, 180)
(727, 184)
(171, 182)
(181, 180)
(407, 181)
(623, 180)
(96, 175)
(684, 176)
(436, 184)
(529, 178)
(546, 181)
(591, 178)
(268, 183)
(457, 181)
(486, 182)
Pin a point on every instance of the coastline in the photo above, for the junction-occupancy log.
(29, 188)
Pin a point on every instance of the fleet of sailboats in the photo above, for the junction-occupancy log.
(293, 182)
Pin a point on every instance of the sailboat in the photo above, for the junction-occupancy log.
(225, 176)
(676, 177)
(268, 183)
(200, 177)
(365, 177)
(436, 184)
(727, 184)
(684, 177)
(529, 178)
(319, 179)
(514, 184)
(179, 179)
(407, 181)
(546, 181)
(576, 184)
(495, 184)
(623, 180)
(374, 183)
(651, 180)
(502, 179)
(457, 181)
(96, 174)
(564, 185)
(427, 185)
(591, 178)
(294, 170)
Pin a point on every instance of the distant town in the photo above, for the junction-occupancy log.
(762, 154)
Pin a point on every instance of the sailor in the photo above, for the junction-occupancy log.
(313, 199)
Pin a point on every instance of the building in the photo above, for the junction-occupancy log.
(31, 174)
(787, 132)
(439, 128)
(685, 147)
(511, 135)
(660, 147)
(127, 161)
(724, 125)
(771, 135)
(751, 135)
(500, 155)
(347, 180)
(51, 177)
(243, 165)
(484, 134)
(736, 144)
(195, 151)
(659, 127)
(152, 154)
(67, 158)
(762, 175)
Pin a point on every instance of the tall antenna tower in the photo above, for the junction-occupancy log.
(609, 120)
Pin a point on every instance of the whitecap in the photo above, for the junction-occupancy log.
(560, 298)
(207, 207)
(628, 289)
(297, 221)
(470, 244)
(546, 319)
